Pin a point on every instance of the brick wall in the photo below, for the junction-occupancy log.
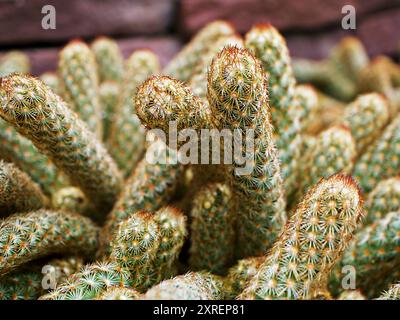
(310, 26)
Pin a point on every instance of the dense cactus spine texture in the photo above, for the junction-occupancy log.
(308, 105)
(240, 274)
(393, 293)
(313, 240)
(238, 97)
(374, 251)
(25, 237)
(181, 67)
(54, 129)
(381, 160)
(117, 293)
(52, 80)
(267, 45)
(20, 150)
(212, 229)
(110, 63)
(366, 117)
(109, 96)
(128, 135)
(14, 62)
(18, 193)
(332, 152)
(190, 286)
(150, 187)
(78, 73)
(384, 198)
(91, 281)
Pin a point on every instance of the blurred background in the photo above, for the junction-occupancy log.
(311, 27)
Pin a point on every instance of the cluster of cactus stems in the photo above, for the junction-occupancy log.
(92, 186)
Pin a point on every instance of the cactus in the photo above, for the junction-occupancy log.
(27, 284)
(19, 150)
(374, 252)
(384, 198)
(78, 73)
(212, 229)
(351, 295)
(117, 293)
(149, 188)
(381, 160)
(190, 286)
(308, 105)
(72, 199)
(393, 293)
(52, 80)
(109, 59)
(41, 116)
(238, 99)
(313, 240)
(266, 43)
(366, 117)
(109, 96)
(333, 152)
(181, 66)
(240, 274)
(29, 236)
(91, 281)
(127, 134)
(18, 193)
(14, 62)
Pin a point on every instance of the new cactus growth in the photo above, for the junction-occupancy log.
(29, 236)
(78, 73)
(40, 115)
(127, 138)
(266, 43)
(14, 62)
(313, 240)
(212, 229)
(110, 63)
(71, 199)
(190, 286)
(366, 117)
(18, 193)
(238, 98)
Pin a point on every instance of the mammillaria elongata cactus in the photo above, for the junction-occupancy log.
(315, 237)
(40, 115)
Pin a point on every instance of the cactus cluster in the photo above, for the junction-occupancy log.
(97, 182)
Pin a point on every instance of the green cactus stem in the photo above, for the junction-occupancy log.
(366, 118)
(109, 59)
(29, 236)
(109, 92)
(381, 160)
(74, 200)
(52, 80)
(212, 229)
(128, 136)
(20, 150)
(40, 115)
(182, 65)
(308, 106)
(238, 98)
(313, 240)
(18, 193)
(78, 73)
(384, 198)
(268, 45)
(150, 187)
(190, 286)
(240, 274)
